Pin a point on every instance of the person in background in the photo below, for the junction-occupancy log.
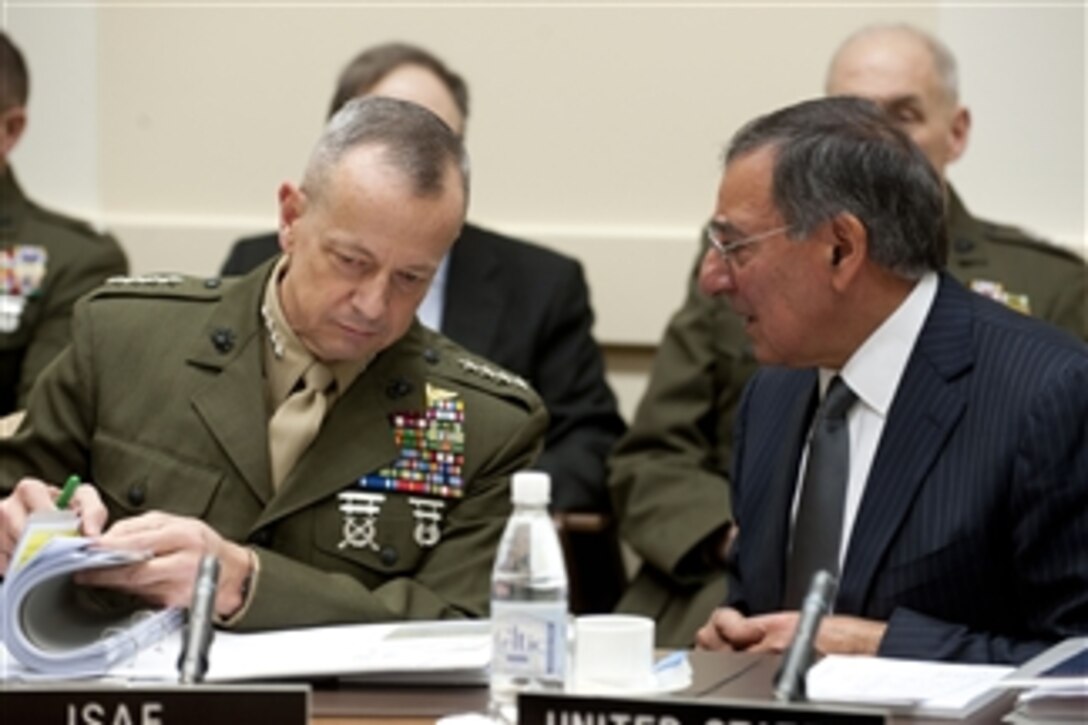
(668, 475)
(47, 261)
(924, 444)
(522, 306)
(342, 462)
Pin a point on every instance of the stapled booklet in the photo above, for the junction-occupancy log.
(46, 632)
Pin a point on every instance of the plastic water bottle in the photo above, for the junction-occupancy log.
(528, 599)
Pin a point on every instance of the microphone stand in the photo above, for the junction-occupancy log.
(790, 681)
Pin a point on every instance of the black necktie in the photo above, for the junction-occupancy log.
(817, 529)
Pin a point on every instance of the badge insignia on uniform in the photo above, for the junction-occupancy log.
(146, 280)
(432, 449)
(275, 339)
(495, 375)
(360, 526)
(22, 269)
(997, 292)
(428, 516)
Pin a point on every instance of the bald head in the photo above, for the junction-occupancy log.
(912, 75)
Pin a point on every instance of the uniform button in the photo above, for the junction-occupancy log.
(261, 537)
(223, 339)
(963, 245)
(388, 556)
(213, 282)
(398, 388)
(136, 494)
(431, 355)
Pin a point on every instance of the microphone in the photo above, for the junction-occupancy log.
(193, 662)
(790, 682)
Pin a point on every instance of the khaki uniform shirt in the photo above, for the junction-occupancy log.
(160, 401)
(669, 473)
(47, 261)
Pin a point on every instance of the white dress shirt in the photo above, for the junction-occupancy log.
(873, 372)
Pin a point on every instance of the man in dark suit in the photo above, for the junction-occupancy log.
(668, 473)
(952, 481)
(522, 306)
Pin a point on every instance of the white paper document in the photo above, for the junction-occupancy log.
(447, 652)
(1054, 684)
(931, 689)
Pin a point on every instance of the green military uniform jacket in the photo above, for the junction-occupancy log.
(47, 261)
(1043, 280)
(160, 402)
(668, 475)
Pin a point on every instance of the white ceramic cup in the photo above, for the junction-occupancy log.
(613, 653)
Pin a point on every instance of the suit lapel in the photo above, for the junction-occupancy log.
(473, 304)
(232, 405)
(927, 406)
(764, 592)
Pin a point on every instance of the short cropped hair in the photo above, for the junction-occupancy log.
(368, 68)
(943, 60)
(842, 154)
(415, 142)
(14, 79)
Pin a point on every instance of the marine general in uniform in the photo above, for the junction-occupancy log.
(344, 463)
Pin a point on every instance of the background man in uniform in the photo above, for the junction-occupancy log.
(343, 463)
(523, 306)
(943, 475)
(668, 475)
(47, 260)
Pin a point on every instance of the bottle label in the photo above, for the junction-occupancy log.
(529, 639)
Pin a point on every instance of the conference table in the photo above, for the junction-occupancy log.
(716, 676)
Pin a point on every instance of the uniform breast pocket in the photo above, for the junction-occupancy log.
(135, 478)
(378, 532)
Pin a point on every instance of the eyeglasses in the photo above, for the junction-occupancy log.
(728, 249)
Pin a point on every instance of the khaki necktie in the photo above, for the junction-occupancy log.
(296, 421)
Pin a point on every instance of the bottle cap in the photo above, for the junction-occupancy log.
(531, 487)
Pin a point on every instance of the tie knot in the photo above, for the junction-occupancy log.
(838, 399)
(317, 377)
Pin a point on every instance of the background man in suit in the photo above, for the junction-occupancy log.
(342, 462)
(47, 261)
(668, 475)
(954, 496)
(522, 306)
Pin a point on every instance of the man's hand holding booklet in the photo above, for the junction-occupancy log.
(52, 628)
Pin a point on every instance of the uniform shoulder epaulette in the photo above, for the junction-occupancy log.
(1014, 236)
(452, 361)
(165, 285)
(76, 226)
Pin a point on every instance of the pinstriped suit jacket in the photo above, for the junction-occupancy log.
(972, 536)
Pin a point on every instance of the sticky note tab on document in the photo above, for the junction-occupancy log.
(40, 528)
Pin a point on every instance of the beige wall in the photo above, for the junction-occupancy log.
(594, 130)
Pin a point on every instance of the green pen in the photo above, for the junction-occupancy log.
(70, 487)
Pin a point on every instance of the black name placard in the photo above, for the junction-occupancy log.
(542, 709)
(158, 705)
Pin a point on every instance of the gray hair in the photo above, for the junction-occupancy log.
(842, 155)
(943, 60)
(414, 141)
